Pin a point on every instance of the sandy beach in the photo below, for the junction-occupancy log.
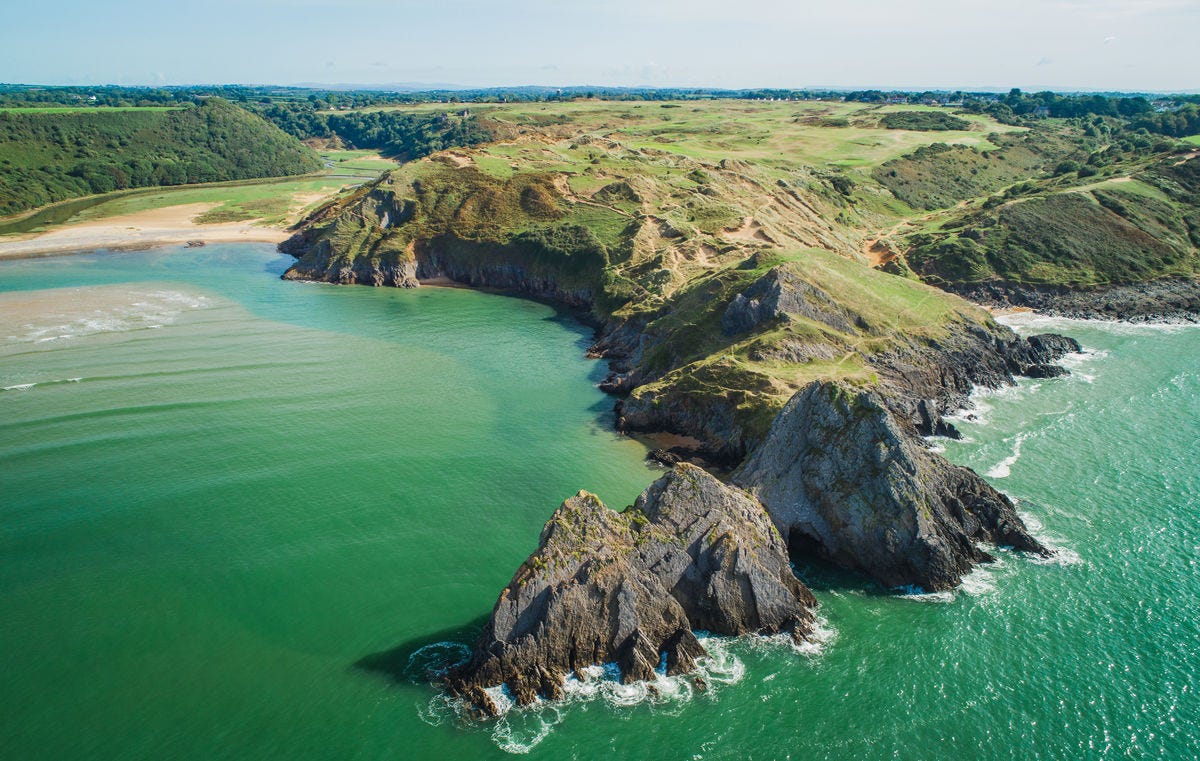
(154, 227)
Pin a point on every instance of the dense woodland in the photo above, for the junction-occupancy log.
(47, 157)
(401, 135)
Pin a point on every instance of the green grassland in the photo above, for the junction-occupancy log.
(664, 216)
(666, 212)
(1130, 217)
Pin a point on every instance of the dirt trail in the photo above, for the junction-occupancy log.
(750, 230)
(881, 249)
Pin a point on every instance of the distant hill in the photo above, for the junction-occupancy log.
(49, 155)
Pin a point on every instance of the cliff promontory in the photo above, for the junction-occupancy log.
(631, 587)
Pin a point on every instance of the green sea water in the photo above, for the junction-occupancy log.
(239, 517)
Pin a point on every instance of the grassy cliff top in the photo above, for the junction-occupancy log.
(746, 270)
(743, 240)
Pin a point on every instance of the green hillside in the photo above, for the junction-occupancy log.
(1127, 217)
(50, 155)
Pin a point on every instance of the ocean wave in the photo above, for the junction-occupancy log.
(1031, 322)
(979, 404)
(816, 644)
(81, 312)
(30, 386)
(432, 662)
(1076, 361)
(980, 582)
(519, 730)
(918, 594)
(1003, 468)
(1060, 552)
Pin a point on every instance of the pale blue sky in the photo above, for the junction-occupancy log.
(1034, 44)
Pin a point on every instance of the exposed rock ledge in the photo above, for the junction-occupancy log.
(1157, 301)
(630, 588)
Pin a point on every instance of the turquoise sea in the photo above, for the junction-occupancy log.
(239, 516)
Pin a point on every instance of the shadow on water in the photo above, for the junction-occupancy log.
(424, 659)
(278, 265)
(823, 576)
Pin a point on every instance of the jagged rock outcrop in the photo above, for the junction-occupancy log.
(844, 480)
(631, 587)
(780, 293)
(925, 379)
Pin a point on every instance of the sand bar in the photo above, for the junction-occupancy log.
(153, 227)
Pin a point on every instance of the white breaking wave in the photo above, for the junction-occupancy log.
(1061, 554)
(1003, 468)
(519, 730)
(1030, 322)
(28, 386)
(982, 580)
(80, 312)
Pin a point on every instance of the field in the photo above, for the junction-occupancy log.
(782, 132)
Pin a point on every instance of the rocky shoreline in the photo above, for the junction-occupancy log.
(1158, 301)
(842, 474)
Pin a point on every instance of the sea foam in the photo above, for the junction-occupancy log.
(519, 730)
(71, 313)
(1003, 468)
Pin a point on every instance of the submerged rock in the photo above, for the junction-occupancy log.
(631, 587)
(843, 480)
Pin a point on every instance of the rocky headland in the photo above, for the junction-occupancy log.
(810, 375)
(631, 587)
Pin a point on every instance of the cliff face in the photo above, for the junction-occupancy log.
(631, 588)
(843, 479)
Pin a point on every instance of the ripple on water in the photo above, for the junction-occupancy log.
(1003, 468)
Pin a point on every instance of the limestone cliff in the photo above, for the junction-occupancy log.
(843, 479)
(631, 587)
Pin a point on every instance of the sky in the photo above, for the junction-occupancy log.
(1142, 45)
